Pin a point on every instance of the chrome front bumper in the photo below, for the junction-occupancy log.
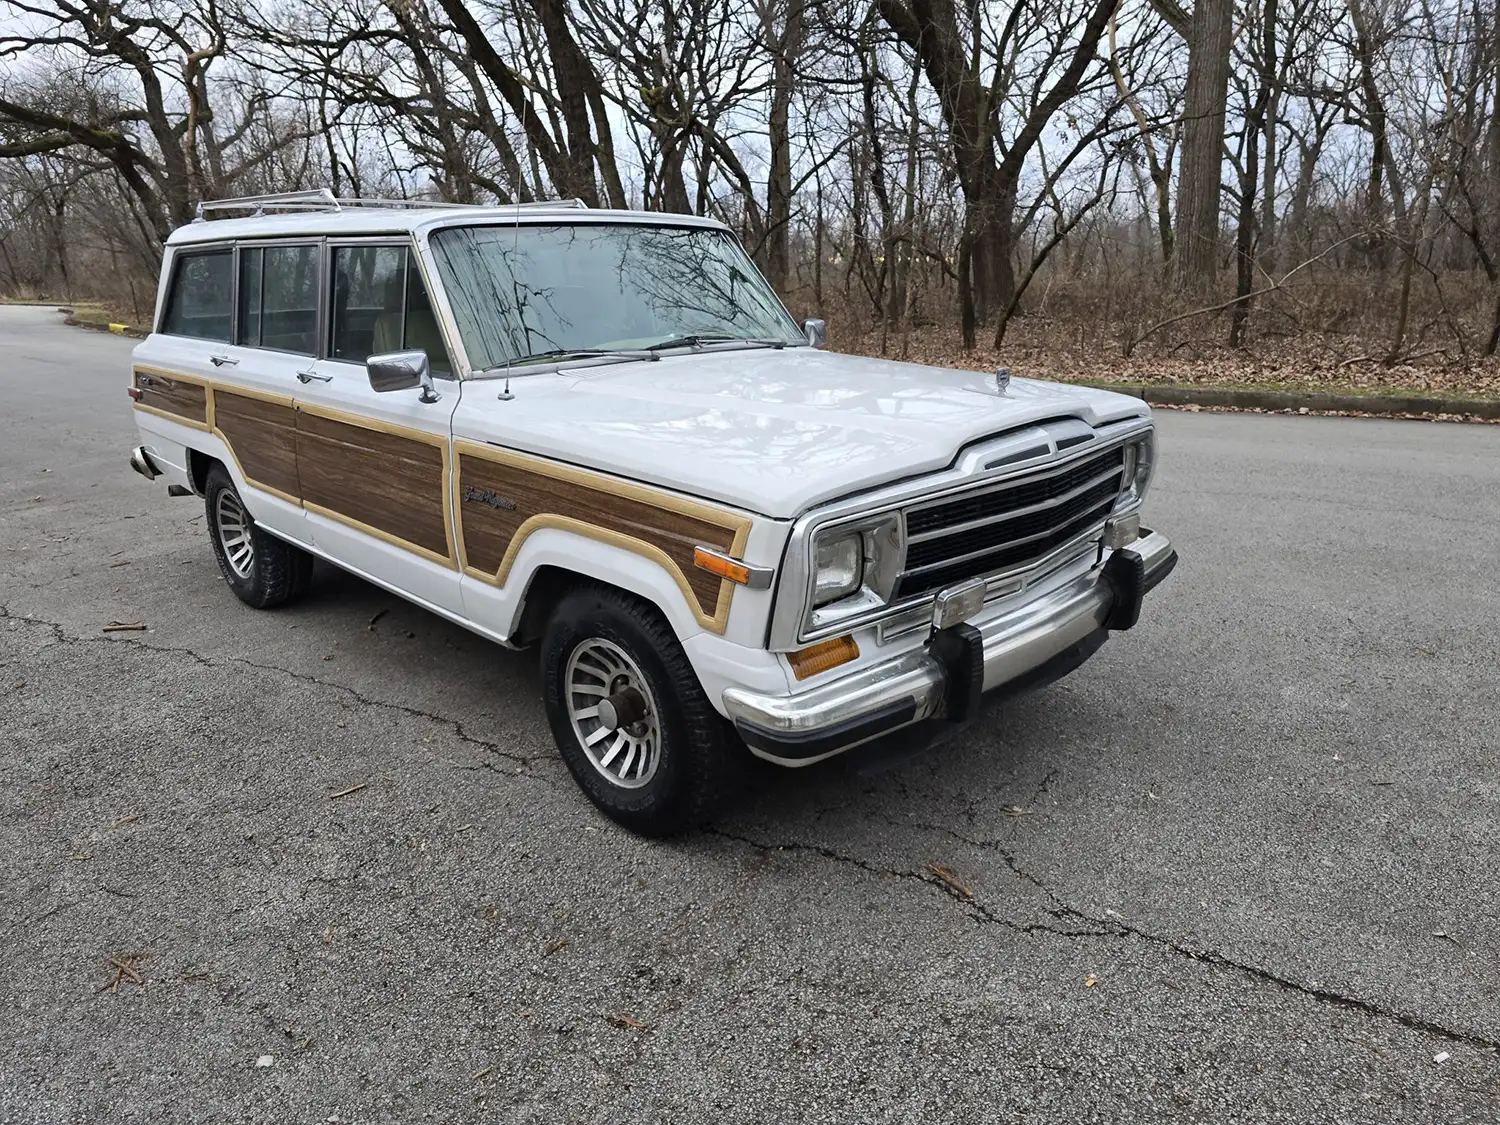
(1056, 631)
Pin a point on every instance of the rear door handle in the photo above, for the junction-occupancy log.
(222, 361)
(310, 375)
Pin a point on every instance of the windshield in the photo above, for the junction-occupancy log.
(527, 291)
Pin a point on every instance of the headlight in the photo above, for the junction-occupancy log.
(838, 568)
(854, 568)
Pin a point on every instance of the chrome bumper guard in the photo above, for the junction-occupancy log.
(1053, 633)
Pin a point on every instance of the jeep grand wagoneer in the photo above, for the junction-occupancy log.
(602, 434)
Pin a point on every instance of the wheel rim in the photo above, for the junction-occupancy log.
(232, 524)
(602, 676)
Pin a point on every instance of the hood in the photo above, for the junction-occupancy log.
(772, 432)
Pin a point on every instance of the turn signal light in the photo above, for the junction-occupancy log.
(715, 563)
(821, 657)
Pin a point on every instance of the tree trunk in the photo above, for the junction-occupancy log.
(1244, 239)
(786, 46)
(1197, 242)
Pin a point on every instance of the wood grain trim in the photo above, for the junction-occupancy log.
(387, 480)
(658, 525)
(171, 395)
(260, 432)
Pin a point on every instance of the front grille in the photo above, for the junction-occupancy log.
(1008, 527)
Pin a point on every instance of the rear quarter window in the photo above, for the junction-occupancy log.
(199, 302)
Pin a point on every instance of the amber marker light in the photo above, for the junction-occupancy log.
(724, 567)
(821, 657)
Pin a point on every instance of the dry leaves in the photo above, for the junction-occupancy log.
(125, 969)
(950, 879)
(625, 1022)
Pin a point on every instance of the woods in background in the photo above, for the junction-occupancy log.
(1124, 177)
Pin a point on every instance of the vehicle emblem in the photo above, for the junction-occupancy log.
(489, 496)
(1002, 380)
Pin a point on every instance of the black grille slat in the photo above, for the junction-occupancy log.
(996, 534)
(1009, 499)
(1008, 543)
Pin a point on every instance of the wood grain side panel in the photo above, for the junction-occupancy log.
(263, 436)
(489, 530)
(387, 481)
(177, 397)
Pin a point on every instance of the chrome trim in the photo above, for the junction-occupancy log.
(1122, 531)
(982, 463)
(970, 556)
(141, 462)
(958, 528)
(1016, 641)
(1153, 548)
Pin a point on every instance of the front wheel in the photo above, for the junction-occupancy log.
(630, 717)
(263, 571)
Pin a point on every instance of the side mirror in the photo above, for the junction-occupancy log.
(400, 371)
(816, 332)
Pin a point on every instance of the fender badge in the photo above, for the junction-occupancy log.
(489, 496)
(1002, 380)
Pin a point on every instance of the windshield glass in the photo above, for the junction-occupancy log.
(519, 291)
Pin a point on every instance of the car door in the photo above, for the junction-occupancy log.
(194, 369)
(374, 467)
(276, 330)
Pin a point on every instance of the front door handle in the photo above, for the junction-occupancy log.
(222, 361)
(309, 376)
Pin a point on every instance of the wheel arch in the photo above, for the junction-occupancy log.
(554, 561)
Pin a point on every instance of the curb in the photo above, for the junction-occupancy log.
(1394, 405)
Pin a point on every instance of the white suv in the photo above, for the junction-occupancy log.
(602, 433)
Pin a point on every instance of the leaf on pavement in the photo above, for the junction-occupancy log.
(951, 879)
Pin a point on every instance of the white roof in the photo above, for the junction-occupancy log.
(404, 220)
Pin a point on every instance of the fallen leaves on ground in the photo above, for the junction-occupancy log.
(625, 1022)
(950, 878)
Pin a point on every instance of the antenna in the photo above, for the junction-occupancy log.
(515, 247)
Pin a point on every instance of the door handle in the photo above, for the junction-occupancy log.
(310, 375)
(222, 361)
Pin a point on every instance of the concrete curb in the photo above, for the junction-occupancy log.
(1176, 394)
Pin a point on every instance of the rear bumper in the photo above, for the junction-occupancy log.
(1042, 639)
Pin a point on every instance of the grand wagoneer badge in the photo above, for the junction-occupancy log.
(489, 496)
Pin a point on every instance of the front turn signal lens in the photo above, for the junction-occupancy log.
(821, 657)
(723, 566)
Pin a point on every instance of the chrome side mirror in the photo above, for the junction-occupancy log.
(816, 332)
(400, 371)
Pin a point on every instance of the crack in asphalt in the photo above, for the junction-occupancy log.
(973, 907)
(1112, 928)
(63, 637)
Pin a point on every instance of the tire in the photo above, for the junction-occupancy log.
(599, 639)
(262, 570)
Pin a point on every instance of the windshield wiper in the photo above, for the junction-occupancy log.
(557, 354)
(698, 340)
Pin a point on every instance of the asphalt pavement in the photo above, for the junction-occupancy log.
(324, 864)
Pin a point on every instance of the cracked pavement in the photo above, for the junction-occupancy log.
(1238, 867)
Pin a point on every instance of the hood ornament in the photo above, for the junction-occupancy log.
(1002, 380)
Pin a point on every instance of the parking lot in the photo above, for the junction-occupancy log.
(323, 864)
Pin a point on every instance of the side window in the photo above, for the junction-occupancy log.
(380, 305)
(279, 298)
(198, 304)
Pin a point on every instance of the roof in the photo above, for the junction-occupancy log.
(366, 220)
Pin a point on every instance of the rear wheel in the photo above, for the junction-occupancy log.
(262, 570)
(630, 718)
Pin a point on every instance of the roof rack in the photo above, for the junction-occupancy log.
(322, 199)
